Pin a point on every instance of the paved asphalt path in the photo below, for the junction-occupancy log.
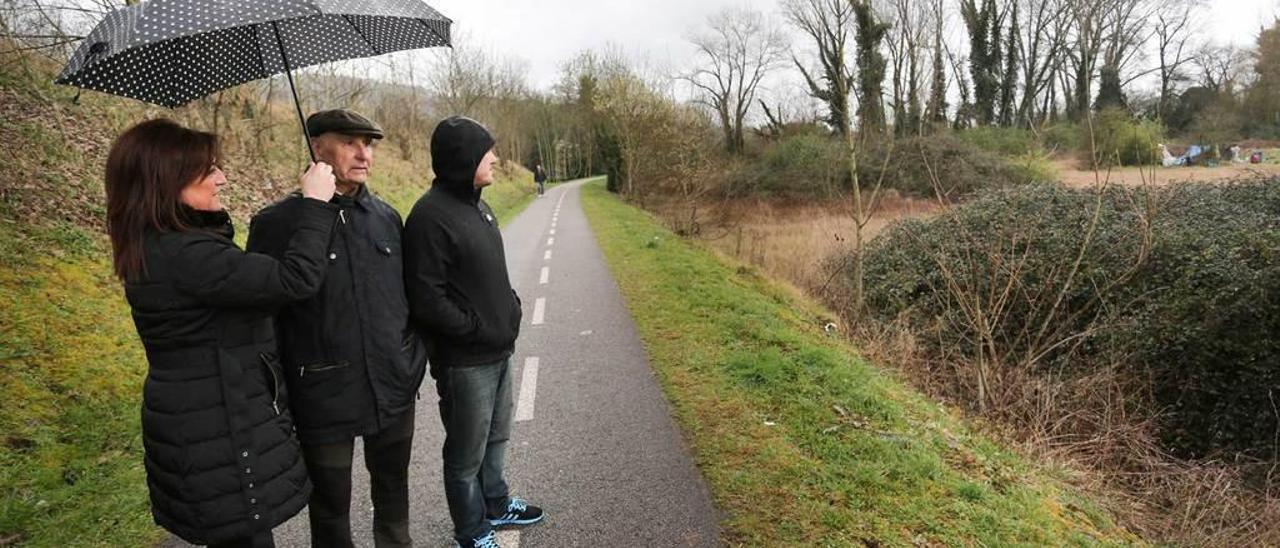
(594, 443)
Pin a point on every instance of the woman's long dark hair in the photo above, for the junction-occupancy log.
(148, 167)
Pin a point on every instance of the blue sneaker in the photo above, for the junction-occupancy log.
(487, 540)
(518, 512)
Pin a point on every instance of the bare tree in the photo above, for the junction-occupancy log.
(936, 109)
(906, 44)
(1041, 46)
(738, 49)
(1127, 32)
(1220, 66)
(462, 78)
(829, 24)
(1088, 28)
(1174, 28)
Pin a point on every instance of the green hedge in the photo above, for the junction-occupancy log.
(1004, 140)
(1120, 140)
(813, 165)
(910, 166)
(1198, 316)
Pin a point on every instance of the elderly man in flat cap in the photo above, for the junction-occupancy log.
(352, 364)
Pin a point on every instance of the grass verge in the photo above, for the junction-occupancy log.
(803, 442)
(70, 448)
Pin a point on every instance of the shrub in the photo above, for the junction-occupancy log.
(813, 165)
(910, 165)
(1188, 297)
(1033, 166)
(1003, 140)
(801, 165)
(1062, 137)
(807, 164)
(1120, 140)
(1204, 314)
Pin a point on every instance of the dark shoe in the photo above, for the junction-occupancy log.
(487, 540)
(518, 512)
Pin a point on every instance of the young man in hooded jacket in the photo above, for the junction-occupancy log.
(462, 303)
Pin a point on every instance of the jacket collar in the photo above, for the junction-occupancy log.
(465, 191)
(361, 197)
(217, 222)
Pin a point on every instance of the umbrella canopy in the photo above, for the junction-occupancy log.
(171, 52)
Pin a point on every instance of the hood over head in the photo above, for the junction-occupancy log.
(457, 146)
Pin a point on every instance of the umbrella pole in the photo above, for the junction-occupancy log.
(296, 104)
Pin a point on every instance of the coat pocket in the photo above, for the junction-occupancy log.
(319, 371)
(275, 384)
(413, 354)
(319, 394)
(517, 315)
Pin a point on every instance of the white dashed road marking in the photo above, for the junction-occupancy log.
(551, 241)
(528, 390)
(545, 276)
(539, 311)
(547, 256)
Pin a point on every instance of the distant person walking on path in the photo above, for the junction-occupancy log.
(540, 177)
(461, 300)
(223, 467)
(353, 364)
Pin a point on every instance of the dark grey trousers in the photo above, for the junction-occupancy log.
(386, 456)
(476, 407)
(258, 540)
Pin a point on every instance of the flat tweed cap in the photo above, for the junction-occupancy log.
(342, 121)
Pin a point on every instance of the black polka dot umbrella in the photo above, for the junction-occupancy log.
(172, 52)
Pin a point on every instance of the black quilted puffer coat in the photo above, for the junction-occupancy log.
(222, 459)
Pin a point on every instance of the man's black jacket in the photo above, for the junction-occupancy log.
(460, 295)
(352, 361)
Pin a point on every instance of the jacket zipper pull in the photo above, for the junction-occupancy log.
(275, 406)
(302, 371)
(342, 216)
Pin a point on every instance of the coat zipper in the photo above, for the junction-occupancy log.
(302, 369)
(275, 380)
(360, 319)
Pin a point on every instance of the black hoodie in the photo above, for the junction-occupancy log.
(460, 296)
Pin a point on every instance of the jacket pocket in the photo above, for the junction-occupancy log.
(413, 356)
(275, 384)
(517, 315)
(320, 370)
(317, 399)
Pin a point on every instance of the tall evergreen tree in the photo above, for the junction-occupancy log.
(827, 23)
(1009, 76)
(1110, 92)
(1262, 99)
(936, 109)
(984, 56)
(870, 32)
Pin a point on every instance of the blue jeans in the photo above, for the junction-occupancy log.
(476, 408)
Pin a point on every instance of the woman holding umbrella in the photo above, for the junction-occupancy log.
(223, 466)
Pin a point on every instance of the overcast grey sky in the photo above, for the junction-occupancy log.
(545, 33)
